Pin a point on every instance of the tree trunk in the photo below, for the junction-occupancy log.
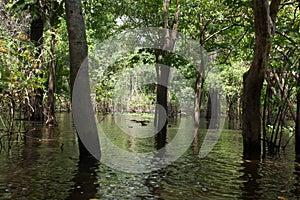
(36, 36)
(297, 131)
(163, 73)
(231, 114)
(264, 22)
(199, 85)
(197, 102)
(213, 110)
(269, 106)
(51, 85)
(78, 52)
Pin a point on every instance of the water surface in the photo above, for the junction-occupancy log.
(45, 165)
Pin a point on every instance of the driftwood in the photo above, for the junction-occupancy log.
(142, 122)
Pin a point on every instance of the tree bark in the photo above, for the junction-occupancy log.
(264, 22)
(213, 110)
(231, 113)
(36, 36)
(78, 51)
(199, 85)
(51, 87)
(163, 73)
(52, 77)
(297, 130)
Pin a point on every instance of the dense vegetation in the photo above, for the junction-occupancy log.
(254, 46)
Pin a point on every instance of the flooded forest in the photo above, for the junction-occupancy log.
(182, 99)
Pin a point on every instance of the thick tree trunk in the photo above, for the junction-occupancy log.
(264, 22)
(162, 100)
(78, 51)
(163, 73)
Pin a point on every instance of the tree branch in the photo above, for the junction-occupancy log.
(274, 7)
(288, 38)
(216, 33)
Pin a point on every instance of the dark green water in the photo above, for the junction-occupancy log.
(46, 166)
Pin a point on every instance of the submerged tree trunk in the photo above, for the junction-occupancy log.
(163, 73)
(78, 50)
(162, 110)
(264, 22)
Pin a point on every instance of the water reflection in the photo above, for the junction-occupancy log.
(250, 179)
(48, 167)
(85, 180)
(155, 183)
(296, 189)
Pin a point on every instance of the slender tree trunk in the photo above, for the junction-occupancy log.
(208, 105)
(51, 87)
(239, 113)
(199, 86)
(52, 77)
(297, 131)
(264, 123)
(197, 102)
(231, 114)
(264, 22)
(269, 111)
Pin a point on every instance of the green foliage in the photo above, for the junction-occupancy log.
(20, 75)
(61, 58)
(231, 75)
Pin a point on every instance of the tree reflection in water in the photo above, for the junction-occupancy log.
(296, 189)
(85, 180)
(250, 187)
